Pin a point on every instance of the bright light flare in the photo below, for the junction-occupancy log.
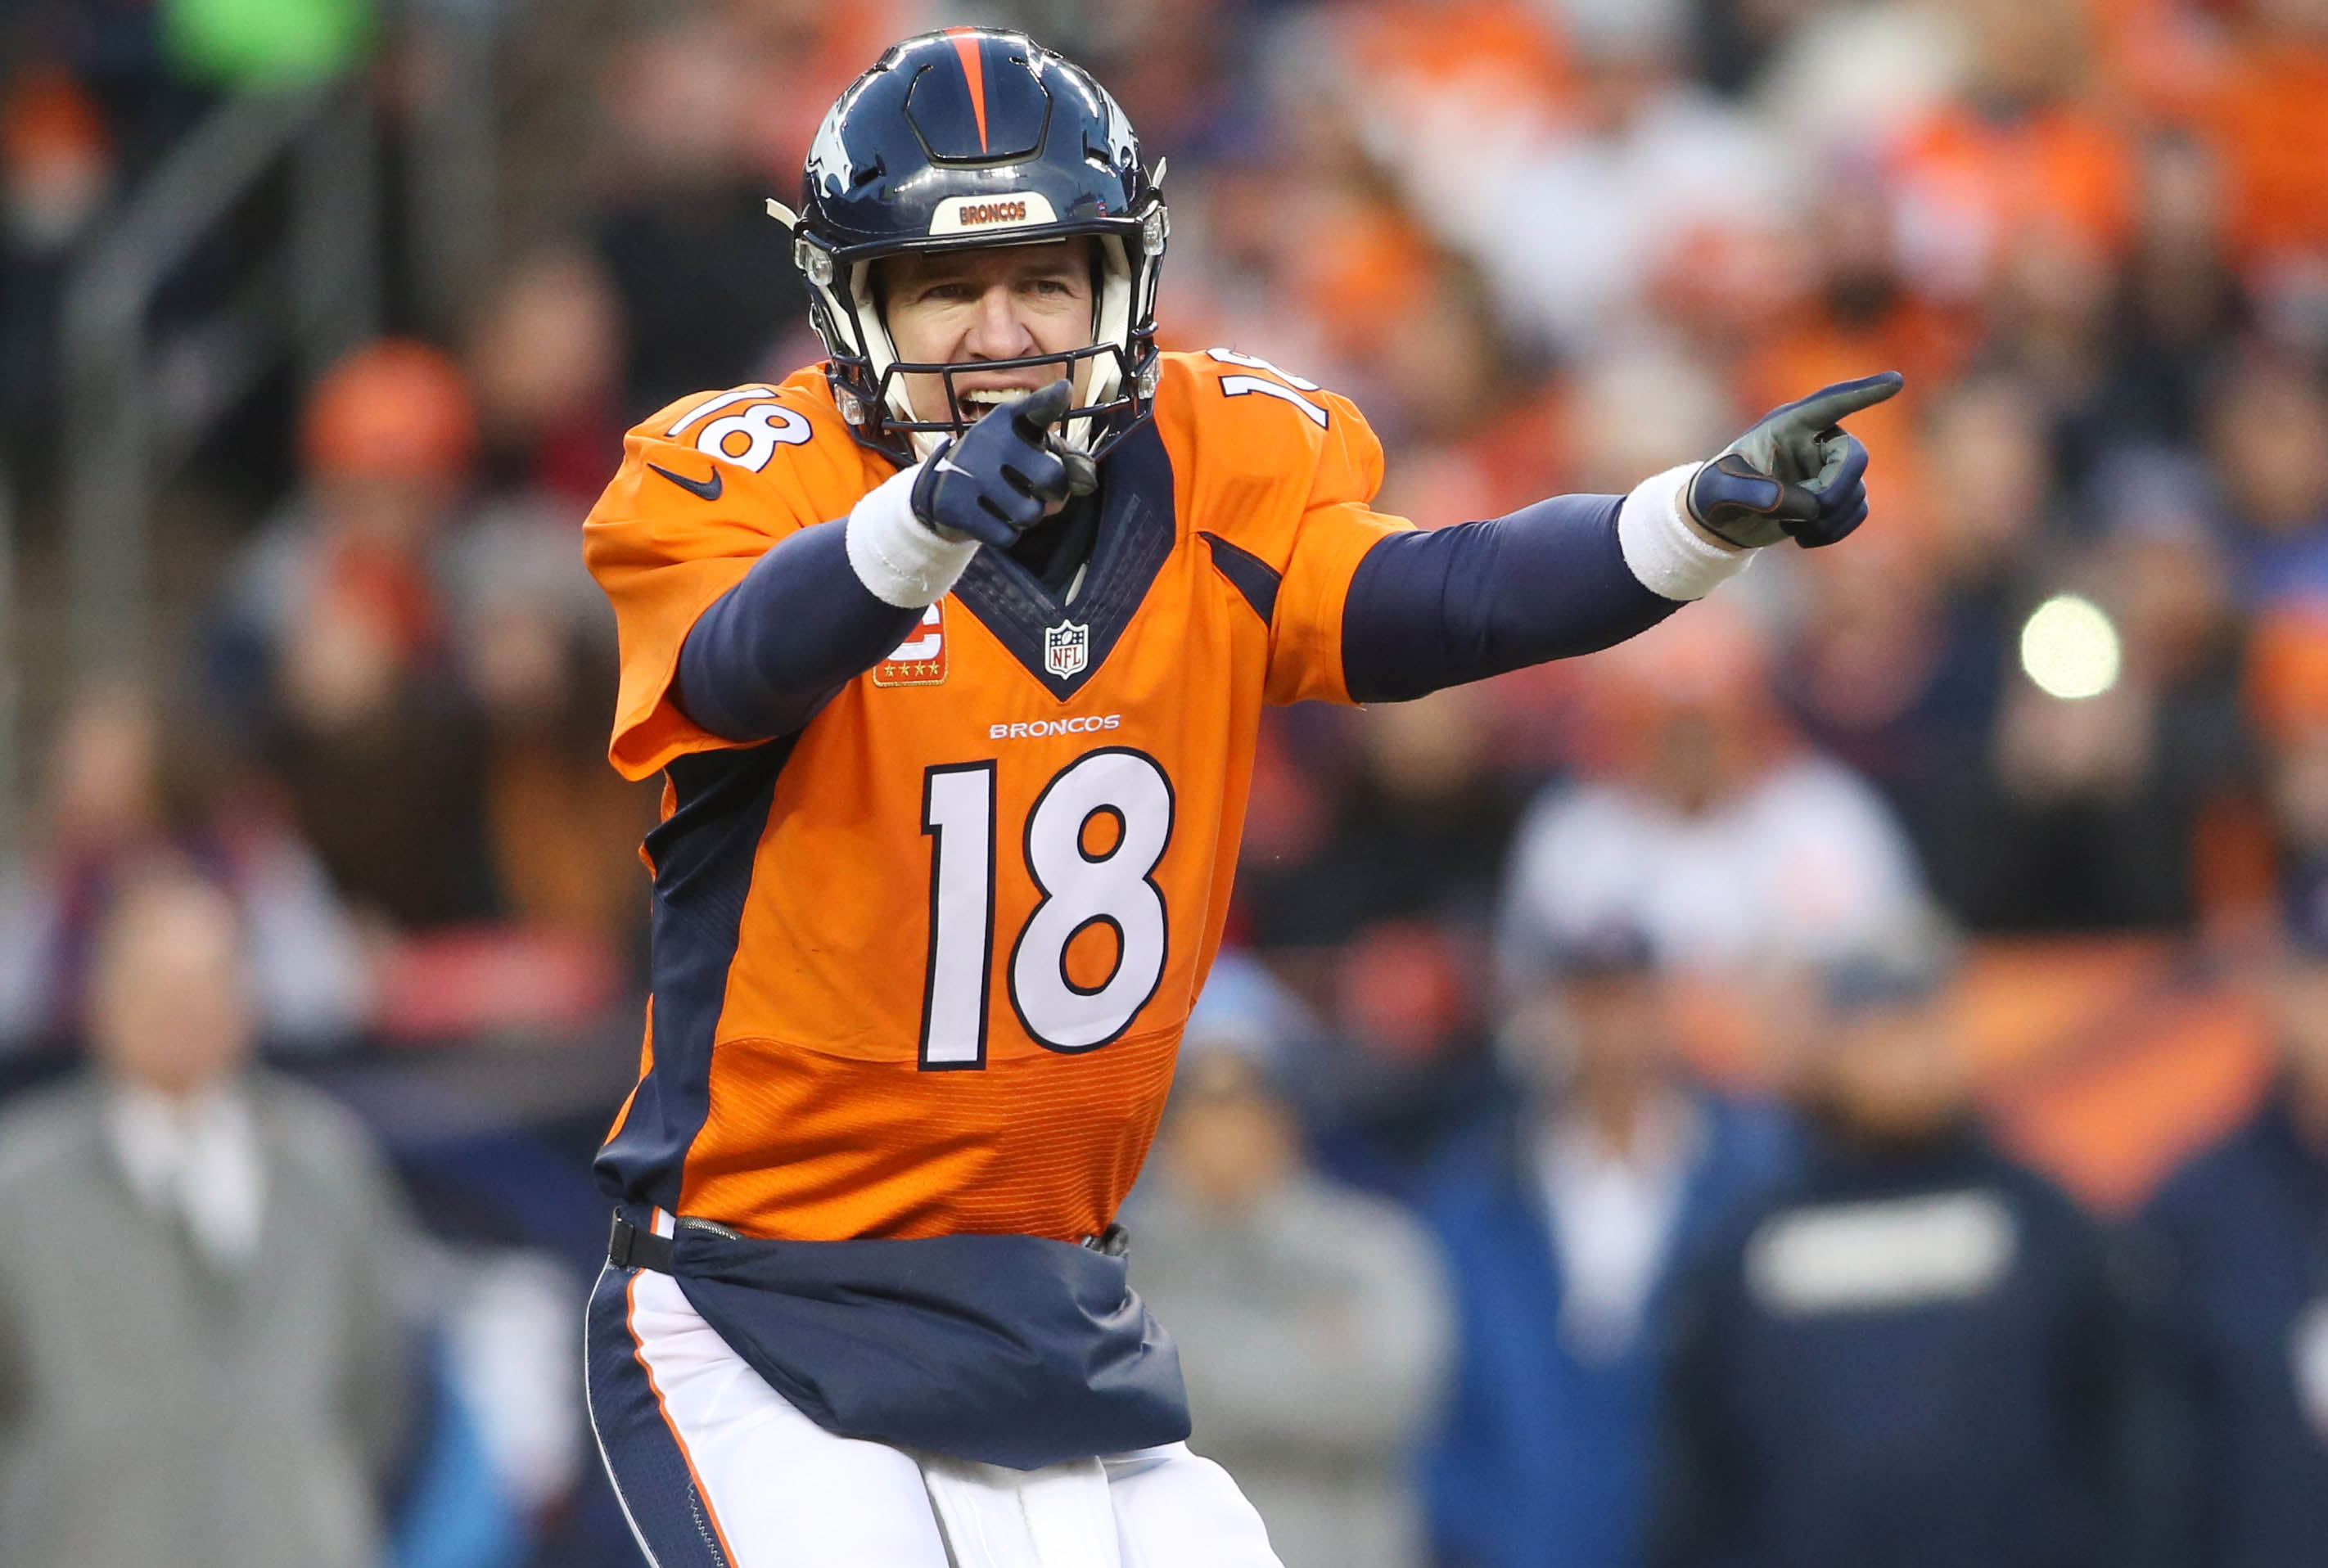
(2070, 649)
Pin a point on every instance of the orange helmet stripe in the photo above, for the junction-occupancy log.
(965, 43)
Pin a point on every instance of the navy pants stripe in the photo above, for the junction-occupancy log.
(649, 1468)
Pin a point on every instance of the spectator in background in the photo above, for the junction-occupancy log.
(701, 271)
(533, 635)
(2287, 703)
(2021, 158)
(201, 1363)
(1897, 663)
(1912, 1353)
(1858, 77)
(546, 359)
(797, 56)
(1311, 1320)
(56, 175)
(1565, 1218)
(538, 646)
(1643, 165)
(2268, 437)
(1420, 829)
(117, 793)
(2240, 1239)
(2265, 114)
(2102, 804)
(337, 653)
(1707, 828)
(2178, 299)
(1379, 915)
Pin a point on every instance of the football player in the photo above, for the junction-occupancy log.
(951, 650)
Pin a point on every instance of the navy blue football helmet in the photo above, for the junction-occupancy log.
(968, 138)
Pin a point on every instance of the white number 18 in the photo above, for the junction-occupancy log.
(1080, 889)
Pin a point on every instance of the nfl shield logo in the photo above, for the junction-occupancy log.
(1066, 649)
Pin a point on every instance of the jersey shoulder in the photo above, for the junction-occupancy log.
(778, 448)
(1257, 446)
(1249, 412)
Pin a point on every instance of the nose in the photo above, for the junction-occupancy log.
(996, 330)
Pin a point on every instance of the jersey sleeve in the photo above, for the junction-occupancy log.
(1285, 473)
(1337, 525)
(699, 497)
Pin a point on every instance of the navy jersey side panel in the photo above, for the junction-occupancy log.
(703, 854)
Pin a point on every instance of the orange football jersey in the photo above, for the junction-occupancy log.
(921, 967)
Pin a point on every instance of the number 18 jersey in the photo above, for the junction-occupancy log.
(921, 968)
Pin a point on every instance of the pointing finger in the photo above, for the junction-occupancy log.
(1829, 405)
(1037, 412)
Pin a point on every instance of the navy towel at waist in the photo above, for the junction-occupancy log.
(1008, 1349)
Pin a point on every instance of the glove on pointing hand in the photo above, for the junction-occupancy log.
(1004, 473)
(1796, 475)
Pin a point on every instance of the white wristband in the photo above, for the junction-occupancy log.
(1672, 556)
(899, 559)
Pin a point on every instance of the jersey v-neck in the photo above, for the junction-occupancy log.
(1131, 529)
(1056, 549)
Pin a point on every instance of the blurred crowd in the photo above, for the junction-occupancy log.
(1583, 1157)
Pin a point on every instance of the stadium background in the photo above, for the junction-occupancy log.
(269, 266)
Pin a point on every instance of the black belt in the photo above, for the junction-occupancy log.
(631, 1246)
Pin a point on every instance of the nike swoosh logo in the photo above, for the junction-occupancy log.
(709, 489)
(946, 466)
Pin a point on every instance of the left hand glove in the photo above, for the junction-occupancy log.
(1796, 475)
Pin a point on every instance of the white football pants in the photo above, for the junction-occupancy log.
(716, 1470)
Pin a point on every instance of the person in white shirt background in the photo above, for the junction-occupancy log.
(1565, 1218)
(1703, 823)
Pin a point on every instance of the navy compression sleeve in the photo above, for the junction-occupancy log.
(773, 648)
(1427, 610)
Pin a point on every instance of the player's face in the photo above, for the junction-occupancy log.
(996, 303)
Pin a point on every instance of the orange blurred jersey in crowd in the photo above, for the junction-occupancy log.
(1972, 192)
(921, 968)
(2269, 121)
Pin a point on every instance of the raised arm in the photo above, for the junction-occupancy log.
(1577, 573)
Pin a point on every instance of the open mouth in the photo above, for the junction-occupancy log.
(983, 398)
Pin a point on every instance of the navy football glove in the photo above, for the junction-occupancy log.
(1796, 475)
(1005, 471)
